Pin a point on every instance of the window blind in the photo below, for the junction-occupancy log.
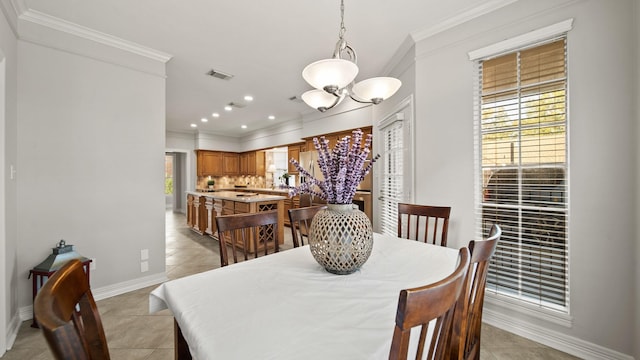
(392, 176)
(522, 126)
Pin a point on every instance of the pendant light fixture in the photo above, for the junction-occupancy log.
(333, 79)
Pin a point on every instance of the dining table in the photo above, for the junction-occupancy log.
(287, 306)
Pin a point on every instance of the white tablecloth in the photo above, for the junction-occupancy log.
(286, 306)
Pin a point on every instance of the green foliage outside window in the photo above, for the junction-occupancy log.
(168, 186)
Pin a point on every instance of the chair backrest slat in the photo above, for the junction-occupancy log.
(239, 230)
(429, 224)
(468, 315)
(300, 219)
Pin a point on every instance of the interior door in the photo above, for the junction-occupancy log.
(395, 173)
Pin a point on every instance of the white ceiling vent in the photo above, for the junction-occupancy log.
(219, 74)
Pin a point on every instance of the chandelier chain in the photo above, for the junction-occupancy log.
(343, 30)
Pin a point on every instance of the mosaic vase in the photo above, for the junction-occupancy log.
(341, 238)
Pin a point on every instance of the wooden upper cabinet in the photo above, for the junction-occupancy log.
(231, 164)
(293, 152)
(260, 163)
(209, 163)
(255, 161)
(219, 163)
(251, 163)
(244, 164)
(335, 137)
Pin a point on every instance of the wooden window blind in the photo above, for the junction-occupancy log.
(522, 129)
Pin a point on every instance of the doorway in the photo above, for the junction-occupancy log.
(175, 181)
(395, 175)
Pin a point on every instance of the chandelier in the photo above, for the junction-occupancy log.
(333, 79)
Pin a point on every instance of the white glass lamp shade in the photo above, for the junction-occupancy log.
(319, 99)
(330, 72)
(376, 88)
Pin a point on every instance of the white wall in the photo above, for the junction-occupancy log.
(602, 230)
(91, 142)
(637, 152)
(9, 321)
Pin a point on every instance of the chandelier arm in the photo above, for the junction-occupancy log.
(361, 101)
(338, 98)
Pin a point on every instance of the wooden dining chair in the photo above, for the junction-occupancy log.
(429, 224)
(68, 316)
(434, 303)
(238, 230)
(300, 219)
(468, 316)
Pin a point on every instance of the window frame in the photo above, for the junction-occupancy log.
(519, 43)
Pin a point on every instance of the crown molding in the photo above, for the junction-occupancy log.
(80, 31)
(12, 9)
(522, 40)
(419, 35)
(459, 19)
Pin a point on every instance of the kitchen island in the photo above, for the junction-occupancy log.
(203, 207)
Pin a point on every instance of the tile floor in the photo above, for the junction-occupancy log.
(134, 334)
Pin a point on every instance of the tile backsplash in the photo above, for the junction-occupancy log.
(230, 181)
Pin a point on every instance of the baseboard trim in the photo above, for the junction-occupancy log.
(105, 292)
(12, 330)
(554, 339)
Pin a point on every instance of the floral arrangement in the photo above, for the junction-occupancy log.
(343, 168)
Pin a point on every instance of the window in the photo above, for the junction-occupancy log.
(168, 174)
(522, 140)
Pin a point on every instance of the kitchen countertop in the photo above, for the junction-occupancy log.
(238, 196)
(239, 189)
(284, 192)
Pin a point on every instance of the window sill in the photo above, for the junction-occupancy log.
(552, 316)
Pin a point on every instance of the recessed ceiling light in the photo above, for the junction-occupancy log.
(215, 115)
(204, 119)
(271, 117)
(248, 98)
(194, 125)
(228, 108)
(244, 126)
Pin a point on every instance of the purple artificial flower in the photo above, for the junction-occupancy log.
(343, 168)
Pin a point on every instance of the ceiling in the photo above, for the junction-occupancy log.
(263, 44)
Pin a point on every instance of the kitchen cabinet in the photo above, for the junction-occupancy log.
(209, 163)
(196, 213)
(251, 163)
(293, 152)
(205, 207)
(244, 163)
(231, 163)
(255, 163)
(335, 137)
(220, 163)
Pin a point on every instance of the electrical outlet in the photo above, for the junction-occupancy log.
(144, 254)
(144, 266)
(93, 264)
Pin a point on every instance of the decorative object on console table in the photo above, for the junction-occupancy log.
(284, 178)
(60, 255)
(340, 236)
